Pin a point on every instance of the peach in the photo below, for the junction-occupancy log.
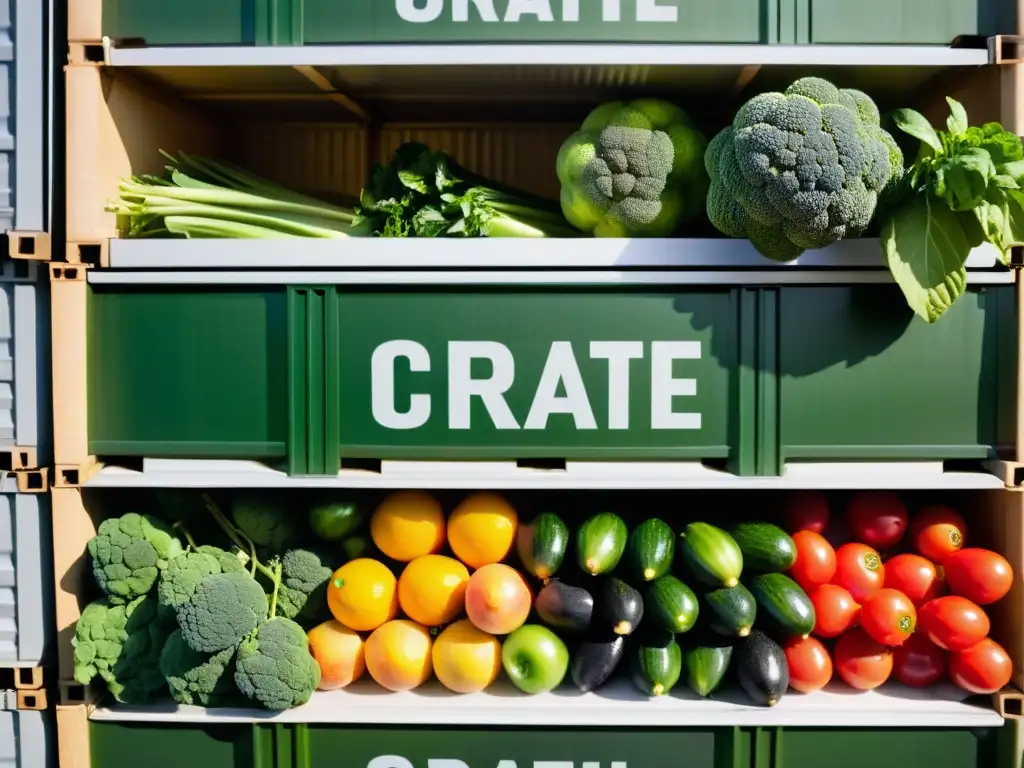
(339, 652)
(498, 599)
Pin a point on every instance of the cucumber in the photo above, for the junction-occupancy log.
(762, 668)
(712, 555)
(656, 662)
(765, 547)
(672, 605)
(564, 606)
(596, 659)
(618, 606)
(730, 611)
(705, 665)
(541, 545)
(650, 550)
(600, 543)
(782, 599)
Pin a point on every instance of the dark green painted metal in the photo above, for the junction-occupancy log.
(313, 378)
(278, 745)
(906, 22)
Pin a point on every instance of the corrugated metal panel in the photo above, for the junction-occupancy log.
(26, 591)
(24, 383)
(27, 740)
(24, 176)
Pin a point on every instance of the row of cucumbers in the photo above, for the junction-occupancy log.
(635, 593)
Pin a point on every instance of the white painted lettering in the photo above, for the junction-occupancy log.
(570, 10)
(507, 764)
(618, 354)
(553, 764)
(650, 10)
(611, 10)
(561, 367)
(382, 384)
(408, 10)
(462, 387)
(519, 8)
(389, 761)
(664, 387)
(460, 10)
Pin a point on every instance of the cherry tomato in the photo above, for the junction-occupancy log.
(815, 560)
(806, 511)
(888, 616)
(983, 668)
(810, 666)
(877, 518)
(861, 662)
(953, 623)
(915, 577)
(859, 571)
(919, 662)
(835, 610)
(980, 575)
(938, 532)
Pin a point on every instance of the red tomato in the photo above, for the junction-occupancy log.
(859, 571)
(953, 623)
(835, 610)
(938, 532)
(810, 666)
(982, 668)
(815, 560)
(888, 616)
(877, 518)
(915, 577)
(918, 662)
(861, 662)
(979, 575)
(806, 511)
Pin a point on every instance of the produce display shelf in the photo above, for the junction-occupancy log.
(617, 704)
(500, 253)
(494, 475)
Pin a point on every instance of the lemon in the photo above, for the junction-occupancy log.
(481, 529)
(432, 590)
(407, 525)
(466, 659)
(398, 655)
(362, 594)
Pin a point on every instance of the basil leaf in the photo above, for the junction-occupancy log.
(1014, 169)
(957, 121)
(926, 248)
(961, 180)
(917, 125)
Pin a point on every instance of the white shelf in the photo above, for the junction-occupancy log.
(496, 475)
(618, 704)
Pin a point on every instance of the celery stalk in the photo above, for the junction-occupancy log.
(198, 226)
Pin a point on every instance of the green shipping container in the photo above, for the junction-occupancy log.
(304, 377)
(316, 22)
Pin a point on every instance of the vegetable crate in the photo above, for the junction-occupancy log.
(310, 22)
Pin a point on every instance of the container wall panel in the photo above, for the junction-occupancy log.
(26, 579)
(27, 739)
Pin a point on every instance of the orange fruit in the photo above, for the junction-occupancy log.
(482, 529)
(432, 590)
(339, 652)
(362, 594)
(398, 655)
(407, 525)
(466, 659)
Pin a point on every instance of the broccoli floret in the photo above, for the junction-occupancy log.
(274, 666)
(800, 169)
(182, 576)
(632, 169)
(204, 679)
(265, 519)
(128, 553)
(121, 645)
(224, 608)
(303, 592)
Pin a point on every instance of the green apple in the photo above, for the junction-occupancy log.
(535, 658)
(335, 520)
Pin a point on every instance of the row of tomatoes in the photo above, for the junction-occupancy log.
(915, 616)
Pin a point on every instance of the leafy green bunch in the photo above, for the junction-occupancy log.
(965, 188)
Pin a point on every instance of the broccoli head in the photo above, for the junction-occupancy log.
(224, 608)
(128, 553)
(633, 169)
(203, 679)
(121, 645)
(182, 576)
(265, 519)
(274, 666)
(800, 169)
(303, 591)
